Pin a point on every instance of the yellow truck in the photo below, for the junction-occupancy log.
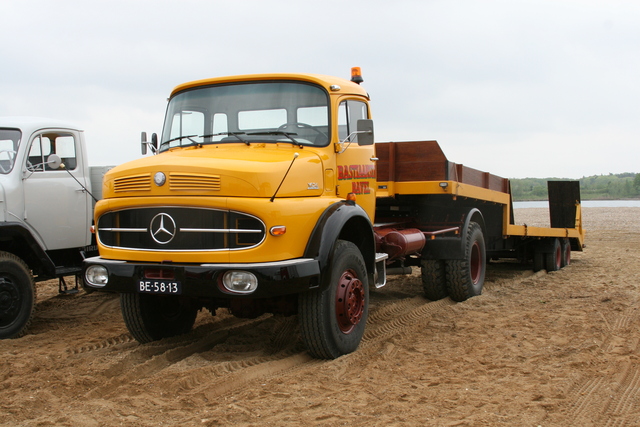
(267, 194)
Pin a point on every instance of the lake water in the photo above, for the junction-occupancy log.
(585, 203)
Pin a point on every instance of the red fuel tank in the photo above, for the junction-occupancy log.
(398, 243)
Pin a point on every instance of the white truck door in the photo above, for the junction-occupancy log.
(56, 206)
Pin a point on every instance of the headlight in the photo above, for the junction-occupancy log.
(241, 282)
(96, 276)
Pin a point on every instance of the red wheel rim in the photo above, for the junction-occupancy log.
(349, 301)
(558, 258)
(475, 263)
(567, 255)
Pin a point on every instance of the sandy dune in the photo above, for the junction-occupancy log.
(539, 349)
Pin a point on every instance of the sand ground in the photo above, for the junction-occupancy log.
(535, 349)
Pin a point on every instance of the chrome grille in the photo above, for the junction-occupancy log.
(180, 229)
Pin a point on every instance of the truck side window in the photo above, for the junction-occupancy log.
(349, 112)
(9, 140)
(46, 144)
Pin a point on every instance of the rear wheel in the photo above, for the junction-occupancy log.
(332, 320)
(538, 260)
(465, 277)
(17, 296)
(153, 317)
(566, 252)
(553, 259)
(434, 279)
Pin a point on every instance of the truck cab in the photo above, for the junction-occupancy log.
(45, 211)
(255, 180)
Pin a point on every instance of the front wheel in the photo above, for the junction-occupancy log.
(332, 320)
(465, 277)
(17, 296)
(153, 317)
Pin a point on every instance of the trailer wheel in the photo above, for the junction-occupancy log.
(538, 261)
(17, 296)
(465, 277)
(332, 321)
(153, 317)
(553, 259)
(566, 252)
(434, 279)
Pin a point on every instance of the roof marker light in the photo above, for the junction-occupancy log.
(356, 75)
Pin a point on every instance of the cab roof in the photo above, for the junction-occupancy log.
(333, 85)
(29, 125)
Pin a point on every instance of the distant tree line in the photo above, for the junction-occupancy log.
(597, 187)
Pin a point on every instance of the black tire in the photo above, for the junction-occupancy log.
(332, 321)
(538, 262)
(434, 279)
(565, 247)
(553, 259)
(153, 317)
(465, 277)
(538, 259)
(17, 296)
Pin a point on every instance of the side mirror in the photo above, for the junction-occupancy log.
(143, 143)
(54, 161)
(365, 132)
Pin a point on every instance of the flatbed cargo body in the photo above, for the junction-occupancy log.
(417, 173)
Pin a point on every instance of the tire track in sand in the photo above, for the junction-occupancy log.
(384, 321)
(608, 400)
(149, 359)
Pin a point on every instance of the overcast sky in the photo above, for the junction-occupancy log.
(518, 88)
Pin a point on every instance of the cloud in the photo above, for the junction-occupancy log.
(505, 84)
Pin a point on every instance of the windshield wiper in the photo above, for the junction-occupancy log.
(189, 137)
(279, 132)
(180, 138)
(236, 134)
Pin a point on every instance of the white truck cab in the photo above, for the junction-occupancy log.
(46, 206)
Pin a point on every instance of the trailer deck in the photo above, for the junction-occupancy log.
(421, 168)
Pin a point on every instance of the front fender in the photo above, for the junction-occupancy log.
(18, 240)
(346, 221)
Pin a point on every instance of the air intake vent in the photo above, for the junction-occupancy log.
(194, 182)
(132, 183)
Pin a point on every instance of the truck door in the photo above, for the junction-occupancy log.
(356, 169)
(56, 206)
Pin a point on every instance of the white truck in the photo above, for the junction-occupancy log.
(47, 193)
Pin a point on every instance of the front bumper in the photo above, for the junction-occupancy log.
(203, 280)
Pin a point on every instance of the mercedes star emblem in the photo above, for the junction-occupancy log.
(163, 228)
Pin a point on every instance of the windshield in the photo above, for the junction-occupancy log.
(9, 141)
(280, 111)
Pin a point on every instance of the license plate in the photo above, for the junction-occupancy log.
(165, 287)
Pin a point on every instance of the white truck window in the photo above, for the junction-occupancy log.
(44, 145)
(9, 141)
